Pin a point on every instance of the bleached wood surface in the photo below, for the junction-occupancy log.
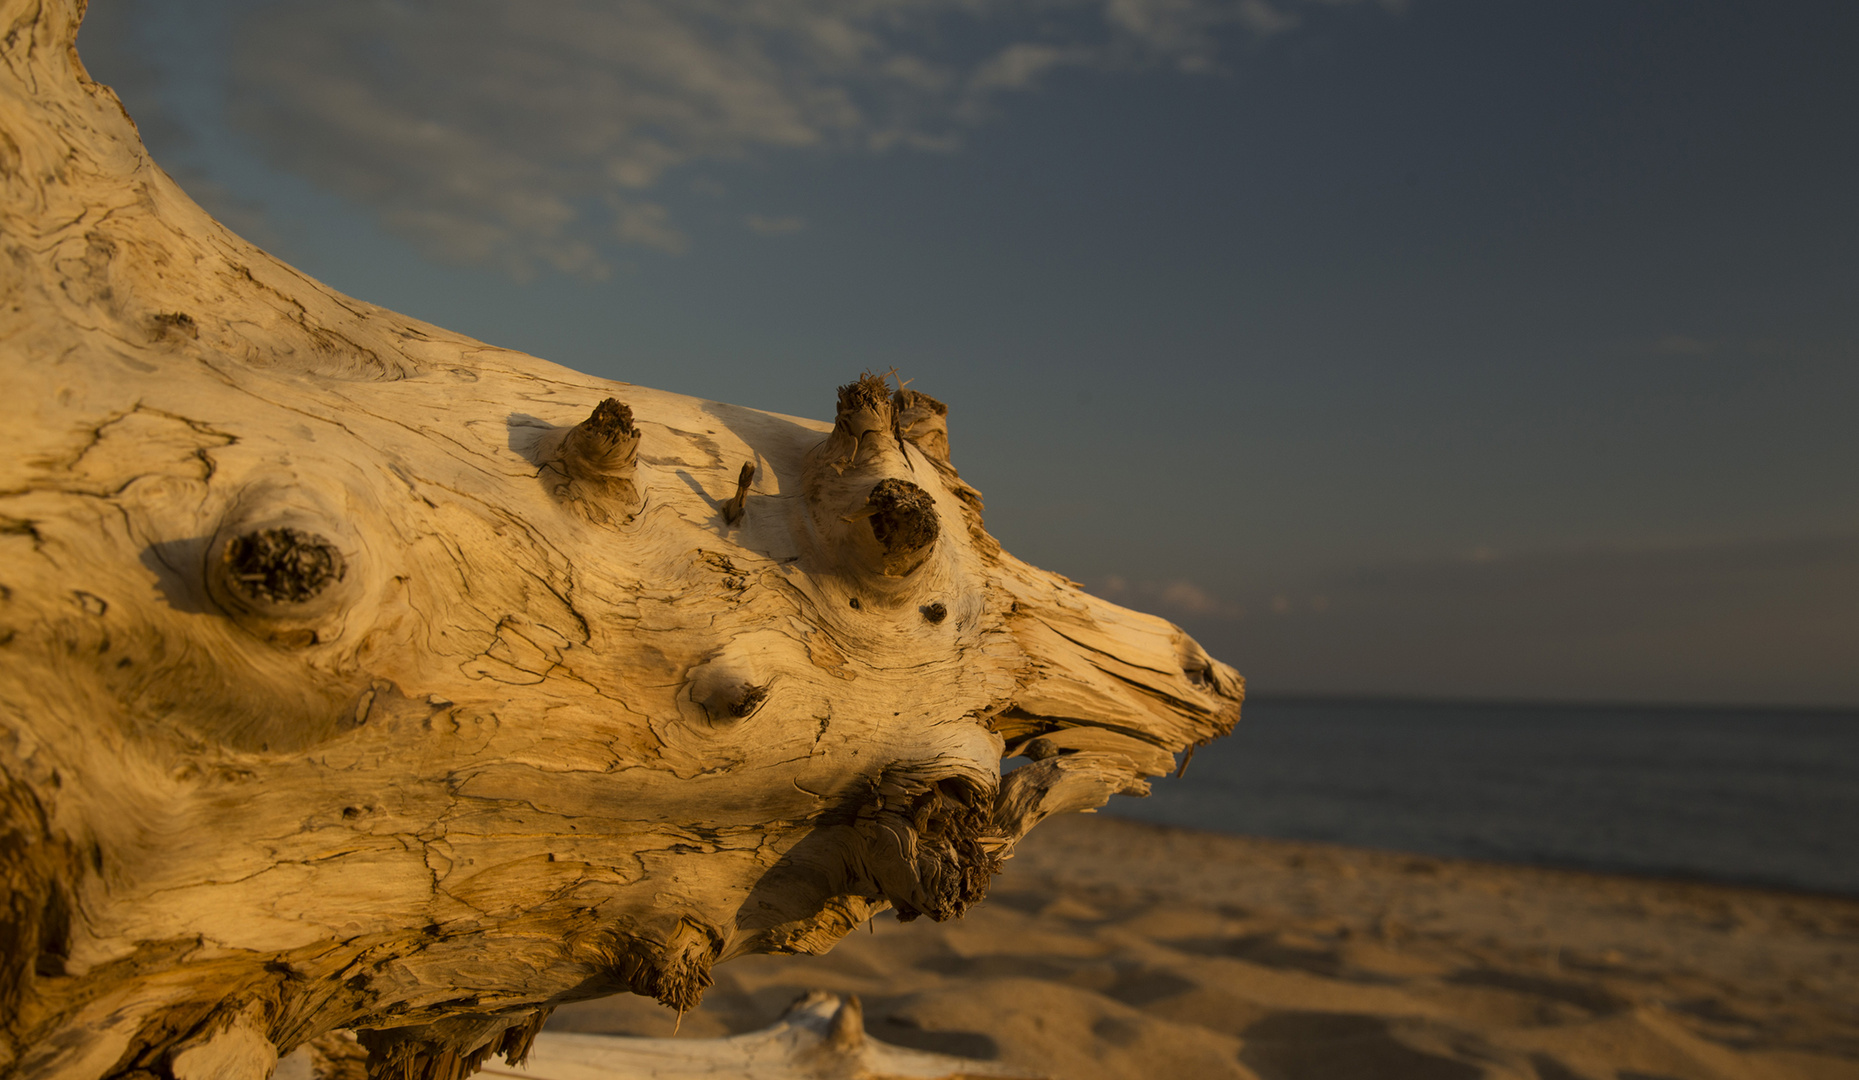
(348, 683)
(821, 1036)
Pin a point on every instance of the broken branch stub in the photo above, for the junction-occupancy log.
(733, 509)
(597, 465)
(924, 421)
(902, 518)
(318, 711)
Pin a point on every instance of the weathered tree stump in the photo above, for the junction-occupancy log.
(360, 675)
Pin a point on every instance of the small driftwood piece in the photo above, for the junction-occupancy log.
(821, 1037)
(358, 675)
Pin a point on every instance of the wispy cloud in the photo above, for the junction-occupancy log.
(1178, 597)
(1022, 65)
(492, 131)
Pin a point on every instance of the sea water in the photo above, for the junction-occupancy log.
(1767, 797)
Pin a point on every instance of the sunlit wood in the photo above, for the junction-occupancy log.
(361, 675)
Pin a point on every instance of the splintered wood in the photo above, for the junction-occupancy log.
(359, 675)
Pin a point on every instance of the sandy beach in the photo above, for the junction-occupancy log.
(1110, 948)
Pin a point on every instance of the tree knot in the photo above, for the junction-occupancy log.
(282, 565)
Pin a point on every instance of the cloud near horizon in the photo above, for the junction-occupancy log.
(490, 132)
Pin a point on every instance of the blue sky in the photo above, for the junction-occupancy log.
(1445, 347)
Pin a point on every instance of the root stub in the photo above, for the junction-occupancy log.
(952, 863)
(281, 566)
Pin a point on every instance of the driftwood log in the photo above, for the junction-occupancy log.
(357, 674)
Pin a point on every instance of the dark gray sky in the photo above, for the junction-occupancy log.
(1447, 347)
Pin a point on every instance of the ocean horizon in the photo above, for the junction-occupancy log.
(1761, 796)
